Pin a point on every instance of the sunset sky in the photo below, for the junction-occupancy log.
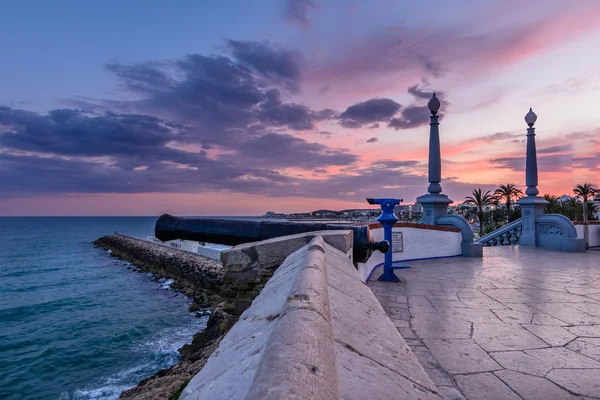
(240, 107)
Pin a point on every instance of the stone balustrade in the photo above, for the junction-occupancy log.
(508, 235)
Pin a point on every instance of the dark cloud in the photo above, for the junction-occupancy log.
(283, 150)
(298, 10)
(72, 133)
(368, 112)
(546, 163)
(555, 149)
(386, 110)
(372, 140)
(295, 116)
(275, 63)
(411, 117)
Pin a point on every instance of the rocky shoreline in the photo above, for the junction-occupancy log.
(197, 277)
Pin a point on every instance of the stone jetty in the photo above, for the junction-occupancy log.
(196, 276)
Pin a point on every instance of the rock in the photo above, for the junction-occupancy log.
(194, 307)
(167, 382)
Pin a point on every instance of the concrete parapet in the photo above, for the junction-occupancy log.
(314, 332)
(248, 267)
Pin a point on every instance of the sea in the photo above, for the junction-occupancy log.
(76, 323)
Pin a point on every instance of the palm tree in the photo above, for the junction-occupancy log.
(481, 200)
(508, 192)
(553, 206)
(585, 191)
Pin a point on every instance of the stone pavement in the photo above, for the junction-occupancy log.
(520, 323)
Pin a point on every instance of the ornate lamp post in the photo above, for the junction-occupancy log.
(434, 203)
(531, 205)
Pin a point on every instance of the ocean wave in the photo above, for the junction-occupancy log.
(165, 283)
(162, 351)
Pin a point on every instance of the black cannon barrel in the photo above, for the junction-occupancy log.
(238, 231)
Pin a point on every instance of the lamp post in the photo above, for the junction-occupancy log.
(532, 205)
(493, 222)
(531, 167)
(435, 204)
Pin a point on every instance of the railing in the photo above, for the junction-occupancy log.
(507, 235)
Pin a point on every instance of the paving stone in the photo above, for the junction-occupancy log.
(407, 333)
(400, 323)
(551, 334)
(401, 298)
(583, 290)
(580, 381)
(554, 296)
(567, 314)
(532, 387)
(471, 293)
(483, 303)
(514, 317)
(438, 302)
(460, 356)
(585, 330)
(588, 308)
(413, 342)
(559, 357)
(443, 294)
(471, 315)
(521, 362)
(497, 337)
(420, 305)
(398, 313)
(439, 377)
(450, 393)
(485, 386)
(545, 319)
(513, 295)
(586, 346)
(520, 307)
(419, 301)
(434, 326)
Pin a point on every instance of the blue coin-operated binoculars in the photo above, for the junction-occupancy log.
(387, 219)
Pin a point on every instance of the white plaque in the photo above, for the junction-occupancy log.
(397, 242)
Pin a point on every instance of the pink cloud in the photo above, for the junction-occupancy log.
(397, 56)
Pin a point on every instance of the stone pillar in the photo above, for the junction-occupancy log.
(434, 203)
(531, 205)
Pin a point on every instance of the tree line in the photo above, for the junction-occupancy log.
(491, 213)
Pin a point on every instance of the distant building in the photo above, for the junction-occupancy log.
(269, 214)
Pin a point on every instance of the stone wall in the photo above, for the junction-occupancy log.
(248, 267)
(594, 232)
(314, 332)
(419, 242)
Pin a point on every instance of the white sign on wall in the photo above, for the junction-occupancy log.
(397, 242)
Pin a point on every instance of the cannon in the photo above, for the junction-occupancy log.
(232, 232)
